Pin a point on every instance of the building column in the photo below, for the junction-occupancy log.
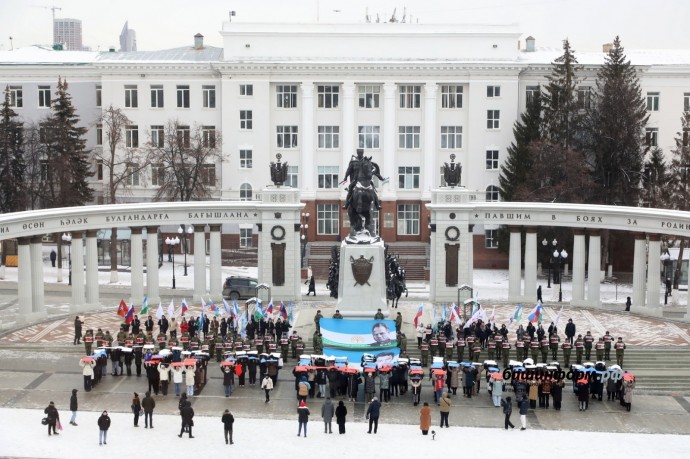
(530, 264)
(428, 133)
(77, 272)
(578, 266)
(348, 124)
(92, 297)
(639, 271)
(514, 263)
(199, 261)
(136, 266)
(653, 271)
(215, 269)
(594, 270)
(37, 290)
(24, 269)
(389, 136)
(307, 139)
(152, 279)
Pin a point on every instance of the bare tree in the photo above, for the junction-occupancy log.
(184, 161)
(122, 161)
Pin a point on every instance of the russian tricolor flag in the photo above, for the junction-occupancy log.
(129, 317)
(536, 314)
(185, 308)
(420, 311)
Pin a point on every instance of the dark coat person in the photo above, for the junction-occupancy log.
(77, 330)
(148, 404)
(187, 414)
(73, 406)
(302, 418)
(163, 325)
(53, 418)
(373, 412)
(340, 415)
(103, 426)
(228, 420)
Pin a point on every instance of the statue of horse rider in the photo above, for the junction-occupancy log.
(362, 175)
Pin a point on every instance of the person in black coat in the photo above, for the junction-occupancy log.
(163, 325)
(373, 412)
(148, 324)
(227, 421)
(136, 325)
(524, 409)
(53, 417)
(530, 330)
(557, 393)
(570, 330)
(187, 414)
(77, 330)
(73, 407)
(302, 418)
(312, 286)
(507, 405)
(103, 426)
(583, 394)
(340, 415)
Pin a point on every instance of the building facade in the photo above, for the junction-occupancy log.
(67, 32)
(411, 95)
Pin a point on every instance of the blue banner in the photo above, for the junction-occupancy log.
(358, 334)
(382, 357)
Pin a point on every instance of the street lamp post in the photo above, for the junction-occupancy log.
(304, 228)
(181, 231)
(545, 243)
(67, 237)
(171, 243)
(559, 257)
(666, 260)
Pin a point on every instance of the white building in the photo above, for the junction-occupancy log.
(67, 32)
(410, 94)
(128, 39)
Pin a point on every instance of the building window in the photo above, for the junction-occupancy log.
(369, 96)
(408, 177)
(99, 170)
(328, 177)
(491, 238)
(408, 219)
(157, 96)
(158, 136)
(491, 193)
(184, 136)
(131, 96)
(99, 134)
(287, 136)
(329, 137)
(132, 136)
(99, 97)
(16, 97)
(451, 137)
(208, 174)
(44, 96)
(410, 96)
(652, 137)
(157, 175)
(246, 90)
(208, 136)
(245, 159)
(451, 96)
(292, 177)
(491, 160)
(132, 174)
(182, 96)
(245, 238)
(327, 96)
(408, 137)
(209, 96)
(45, 170)
(584, 97)
(286, 96)
(327, 219)
(245, 192)
(493, 91)
(531, 93)
(686, 102)
(493, 119)
(368, 136)
(246, 120)
(652, 101)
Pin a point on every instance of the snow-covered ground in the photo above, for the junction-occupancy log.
(22, 435)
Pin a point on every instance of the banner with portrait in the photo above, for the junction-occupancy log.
(365, 335)
(381, 357)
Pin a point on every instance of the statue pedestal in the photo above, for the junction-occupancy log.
(362, 299)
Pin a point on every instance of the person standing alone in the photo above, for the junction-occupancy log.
(148, 404)
(302, 418)
(267, 386)
(73, 407)
(77, 330)
(228, 419)
(373, 412)
(53, 418)
(103, 426)
(507, 410)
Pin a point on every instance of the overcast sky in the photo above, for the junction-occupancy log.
(162, 24)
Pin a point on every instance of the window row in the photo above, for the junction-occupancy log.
(328, 219)
(157, 136)
(157, 93)
(135, 174)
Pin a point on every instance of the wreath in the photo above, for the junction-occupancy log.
(452, 233)
(278, 233)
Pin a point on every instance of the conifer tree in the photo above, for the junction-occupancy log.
(657, 180)
(12, 164)
(680, 180)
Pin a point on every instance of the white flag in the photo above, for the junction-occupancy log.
(159, 311)
(558, 316)
(171, 309)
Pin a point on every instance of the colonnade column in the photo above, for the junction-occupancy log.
(199, 261)
(91, 268)
(389, 136)
(152, 289)
(578, 266)
(429, 136)
(215, 272)
(594, 270)
(306, 138)
(24, 278)
(531, 264)
(639, 270)
(136, 250)
(77, 272)
(514, 262)
(348, 124)
(654, 271)
(37, 291)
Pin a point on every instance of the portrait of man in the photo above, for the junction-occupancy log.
(384, 359)
(381, 334)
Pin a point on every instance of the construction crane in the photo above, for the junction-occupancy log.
(53, 8)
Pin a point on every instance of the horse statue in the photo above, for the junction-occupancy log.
(396, 286)
(363, 197)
